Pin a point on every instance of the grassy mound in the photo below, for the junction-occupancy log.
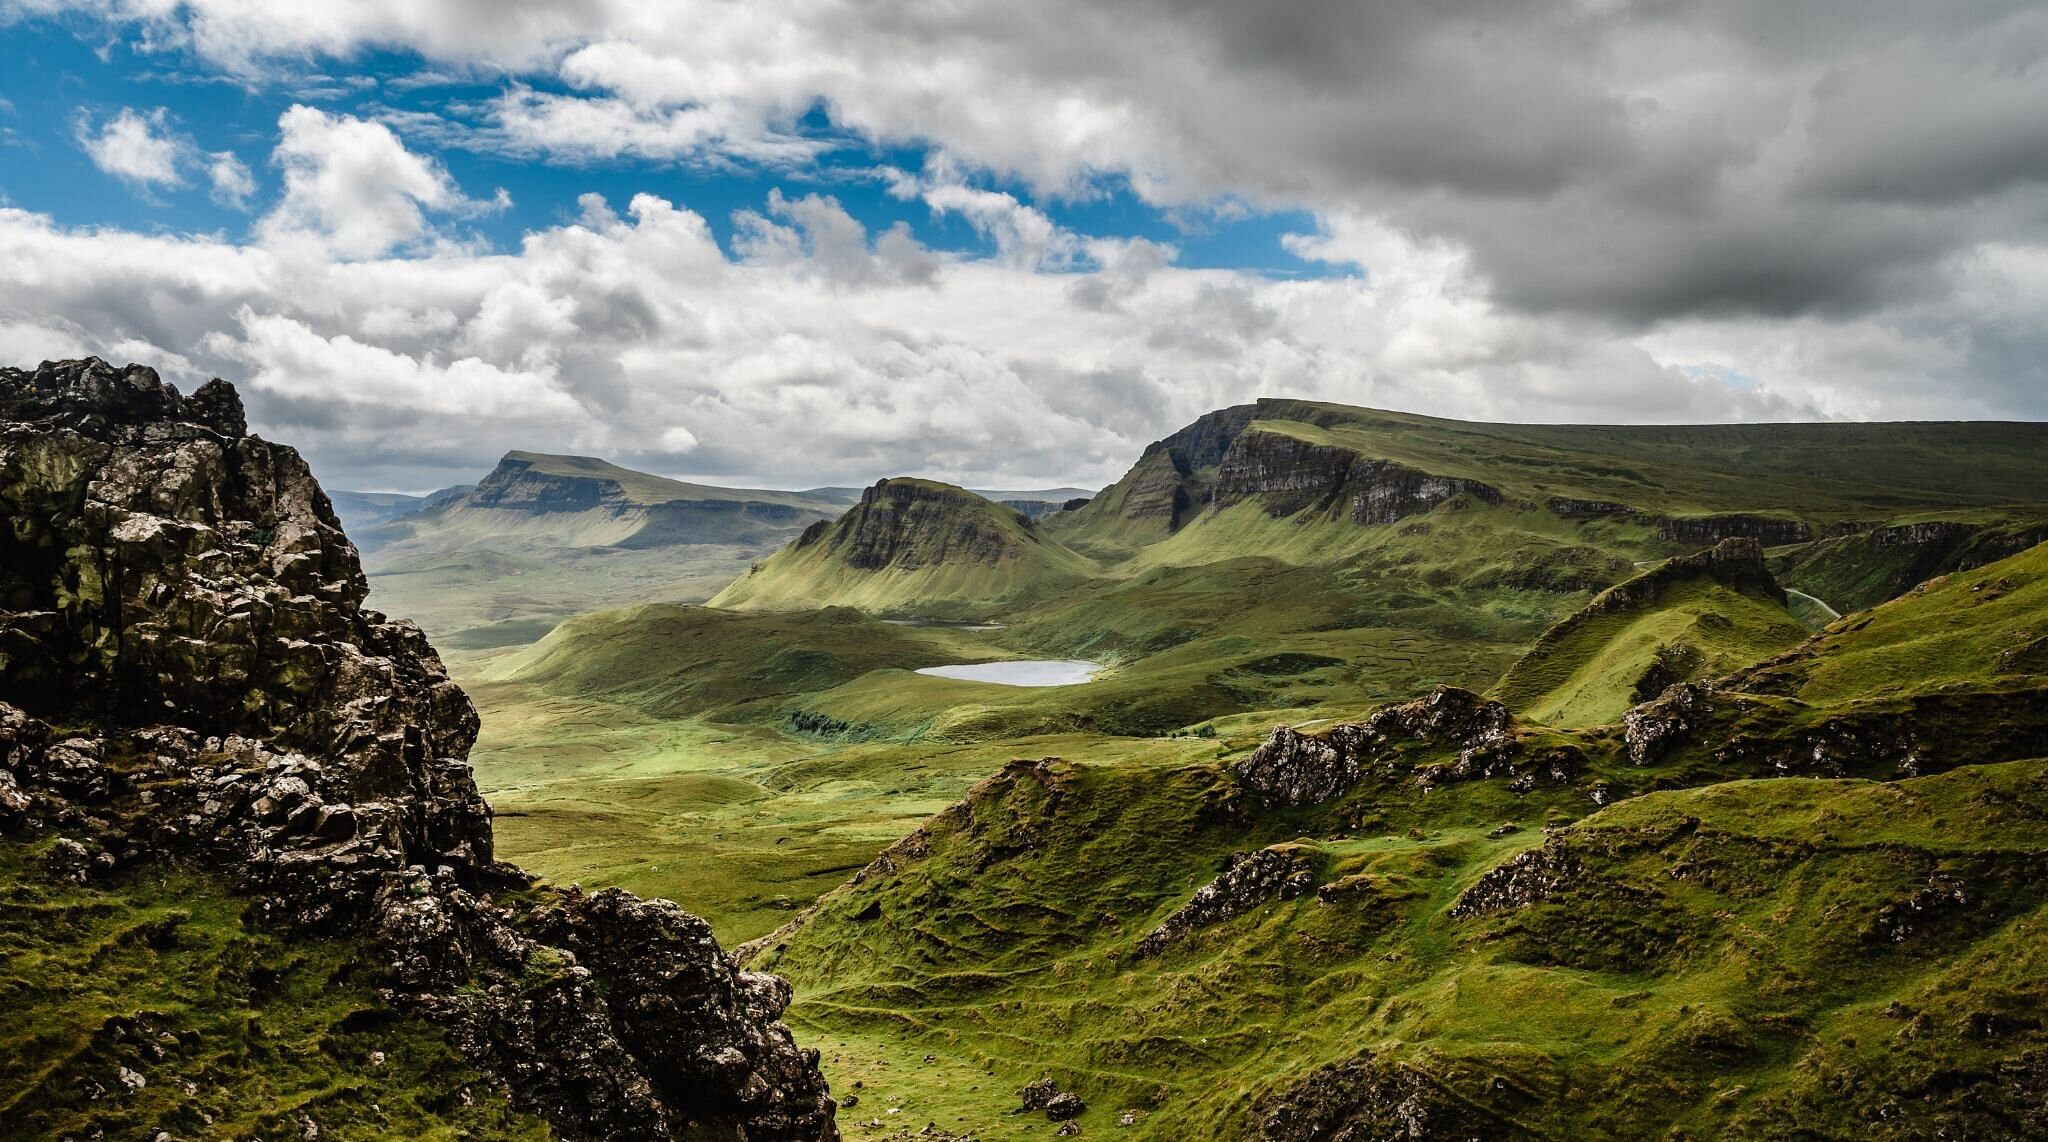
(1700, 616)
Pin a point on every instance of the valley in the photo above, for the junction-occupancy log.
(960, 877)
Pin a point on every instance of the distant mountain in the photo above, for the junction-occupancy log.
(1845, 511)
(1034, 502)
(360, 511)
(912, 547)
(543, 537)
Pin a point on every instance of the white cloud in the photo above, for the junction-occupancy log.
(629, 333)
(138, 148)
(232, 182)
(352, 188)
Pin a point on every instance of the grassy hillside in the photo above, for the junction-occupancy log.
(1709, 955)
(913, 547)
(1982, 628)
(150, 1001)
(671, 660)
(1696, 616)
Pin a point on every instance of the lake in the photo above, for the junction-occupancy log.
(1034, 672)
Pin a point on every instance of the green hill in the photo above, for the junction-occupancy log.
(913, 547)
(1701, 615)
(1361, 928)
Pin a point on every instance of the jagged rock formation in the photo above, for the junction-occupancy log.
(915, 523)
(187, 674)
(1277, 872)
(1291, 768)
(1367, 1097)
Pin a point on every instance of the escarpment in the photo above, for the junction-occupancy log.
(1289, 475)
(188, 676)
(914, 523)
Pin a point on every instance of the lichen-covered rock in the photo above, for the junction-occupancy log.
(1278, 872)
(1045, 1095)
(1529, 878)
(1372, 1099)
(1292, 768)
(1651, 729)
(179, 596)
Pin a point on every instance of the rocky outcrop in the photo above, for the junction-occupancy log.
(177, 595)
(907, 524)
(1278, 872)
(1046, 1095)
(1586, 509)
(1288, 475)
(1767, 530)
(1293, 769)
(1530, 878)
(1374, 1098)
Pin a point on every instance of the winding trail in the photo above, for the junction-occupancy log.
(1832, 613)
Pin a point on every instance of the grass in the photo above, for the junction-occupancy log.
(231, 1031)
(1590, 669)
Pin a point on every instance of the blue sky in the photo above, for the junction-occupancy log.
(62, 71)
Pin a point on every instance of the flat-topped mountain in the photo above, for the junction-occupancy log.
(1778, 483)
(542, 537)
(582, 501)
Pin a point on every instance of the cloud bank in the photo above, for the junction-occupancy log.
(1568, 209)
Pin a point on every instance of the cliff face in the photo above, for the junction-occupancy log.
(187, 674)
(1290, 475)
(911, 523)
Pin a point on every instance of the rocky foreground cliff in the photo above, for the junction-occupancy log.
(188, 678)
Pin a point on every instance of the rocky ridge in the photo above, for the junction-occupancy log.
(187, 673)
(1295, 769)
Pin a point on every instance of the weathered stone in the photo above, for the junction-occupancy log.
(1279, 872)
(183, 590)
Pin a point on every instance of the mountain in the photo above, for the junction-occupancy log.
(250, 886)
(544, 537)
(912, 547)
(1033, 501)
(1697, 484)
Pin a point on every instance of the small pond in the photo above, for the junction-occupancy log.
(1037, 672)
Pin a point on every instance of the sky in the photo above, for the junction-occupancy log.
(790, 243)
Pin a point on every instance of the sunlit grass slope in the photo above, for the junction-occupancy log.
(1710, 955)
(1982, 628)
(1695, 617)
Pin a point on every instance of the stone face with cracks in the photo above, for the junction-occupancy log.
(178, 595)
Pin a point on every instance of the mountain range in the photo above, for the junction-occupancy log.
(1434, 780)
